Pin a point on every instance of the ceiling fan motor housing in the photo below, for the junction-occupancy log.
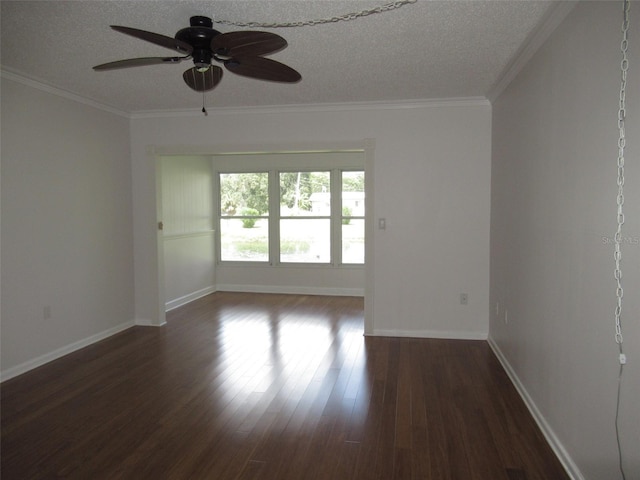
(199, 36)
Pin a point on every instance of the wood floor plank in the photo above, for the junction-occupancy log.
(270, 387)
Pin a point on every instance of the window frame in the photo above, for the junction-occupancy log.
(274, 164)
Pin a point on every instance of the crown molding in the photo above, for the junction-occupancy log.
(45, 87)
(254, 110)
(320, 107)
(531, 45)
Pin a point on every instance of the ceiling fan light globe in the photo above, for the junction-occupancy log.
(202, 67)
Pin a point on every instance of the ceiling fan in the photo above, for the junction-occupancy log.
(241, 52)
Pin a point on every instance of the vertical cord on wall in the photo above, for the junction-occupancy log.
(624, 66)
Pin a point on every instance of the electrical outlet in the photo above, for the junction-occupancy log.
(506, 316)
(497, 308)
(46, 312)
(464, 299)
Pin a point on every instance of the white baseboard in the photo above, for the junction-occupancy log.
(567, 462)
(61, 352)
(178, 302)
(145, 322)
(443, 334)
(292, 290)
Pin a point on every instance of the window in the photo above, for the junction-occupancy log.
(285, 215)
(352, 240)
(244, 217)
(305, 217)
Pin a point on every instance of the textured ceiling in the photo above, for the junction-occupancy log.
(425, 50)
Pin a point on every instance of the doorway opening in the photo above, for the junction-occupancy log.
(310, 235)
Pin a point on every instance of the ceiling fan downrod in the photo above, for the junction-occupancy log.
(199, 36)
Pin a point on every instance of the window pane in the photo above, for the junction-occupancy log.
(353, 194)
(353, 205)
(305, 194)
(244, 240)
(305, 240)
(244, 194)
(352, 240)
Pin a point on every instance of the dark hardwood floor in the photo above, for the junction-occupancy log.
(279, 387)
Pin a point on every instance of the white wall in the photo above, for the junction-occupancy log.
(553, 214)
(188, 235)
(431, 174)
(66, 225)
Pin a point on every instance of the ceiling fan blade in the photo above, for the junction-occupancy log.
(262, 69)
(247, 44)
(138, 62)
(156, 38)
(203, 81)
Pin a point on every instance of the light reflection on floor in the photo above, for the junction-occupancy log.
(286, 357)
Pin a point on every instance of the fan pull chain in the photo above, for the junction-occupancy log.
(204, 110)
(320, 21)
